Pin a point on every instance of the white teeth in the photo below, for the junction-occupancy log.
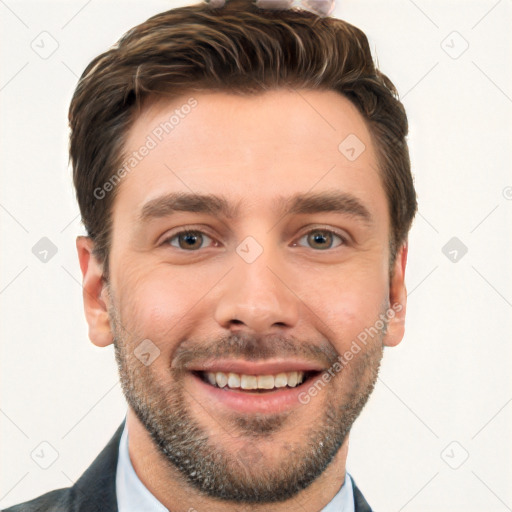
(248, 382)
(221, 379)
(265, 381)
(280, 380)
(236, 380)
(292, 379)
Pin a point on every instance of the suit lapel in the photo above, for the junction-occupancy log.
(360, 503)
(95, 490)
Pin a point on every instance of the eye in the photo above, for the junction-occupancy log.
(193, 239)
(189, 240)
(322, 238)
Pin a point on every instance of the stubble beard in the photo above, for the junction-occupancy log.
(242, 477)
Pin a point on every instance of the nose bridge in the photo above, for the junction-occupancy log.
(254, 293)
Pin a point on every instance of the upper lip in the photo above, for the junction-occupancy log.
(255, 368)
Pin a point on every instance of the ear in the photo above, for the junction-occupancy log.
(94, 293)
(397, 300)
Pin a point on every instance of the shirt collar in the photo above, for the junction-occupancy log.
(134, 496)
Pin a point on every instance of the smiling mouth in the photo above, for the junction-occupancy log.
(256, 384)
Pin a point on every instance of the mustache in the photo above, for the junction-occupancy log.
(252, 347)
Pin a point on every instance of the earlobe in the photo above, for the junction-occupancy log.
(93, 291)
(397, 300)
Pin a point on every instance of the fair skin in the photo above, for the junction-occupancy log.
(314, 300)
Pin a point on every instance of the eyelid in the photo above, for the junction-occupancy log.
(342, 235)
(187, 229)
(183, 230)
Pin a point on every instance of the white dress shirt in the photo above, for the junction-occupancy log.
(133, 495)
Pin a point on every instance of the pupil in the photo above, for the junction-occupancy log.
(319, 237)
(189, 239)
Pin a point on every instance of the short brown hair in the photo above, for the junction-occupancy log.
(238, 48)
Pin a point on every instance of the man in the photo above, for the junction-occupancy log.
(244, 180)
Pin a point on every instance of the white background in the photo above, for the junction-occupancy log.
(448, 381)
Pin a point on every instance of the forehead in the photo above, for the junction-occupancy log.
(258, 149)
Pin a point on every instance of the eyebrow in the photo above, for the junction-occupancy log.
(300, 203)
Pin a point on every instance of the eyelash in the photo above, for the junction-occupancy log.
(343, 239)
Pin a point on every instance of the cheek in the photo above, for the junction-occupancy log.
(158, 305)
(348, 308)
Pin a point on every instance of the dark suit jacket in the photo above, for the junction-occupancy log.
(95, 490)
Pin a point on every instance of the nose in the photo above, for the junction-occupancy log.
(257, 296)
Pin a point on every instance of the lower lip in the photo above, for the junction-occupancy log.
(244, 401)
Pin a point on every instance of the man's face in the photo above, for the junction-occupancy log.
(270, 285)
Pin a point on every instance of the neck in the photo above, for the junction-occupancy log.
(175, 493)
